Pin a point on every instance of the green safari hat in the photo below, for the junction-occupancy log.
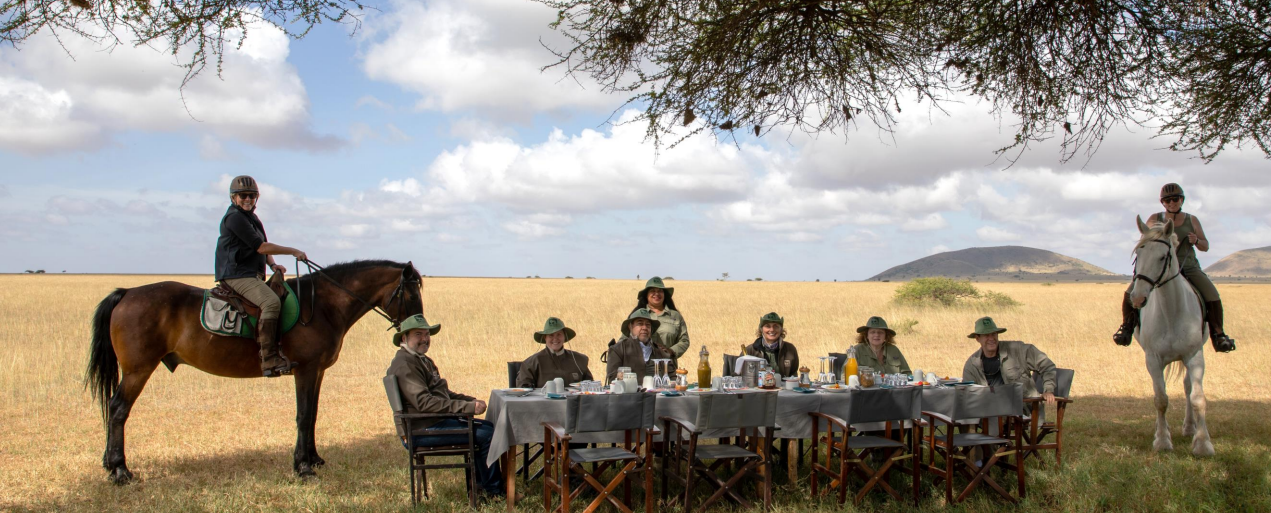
(985, 326)
(771, 317)
(414, 322)
(877, 323)
(643, 313)
(553, 325)
(656, 283)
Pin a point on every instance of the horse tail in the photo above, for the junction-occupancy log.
(1173, 370)
(102, 376)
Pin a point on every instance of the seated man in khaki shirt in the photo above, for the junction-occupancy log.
(424, 391)
(554, 361)
(638, 347)
(1006, 362)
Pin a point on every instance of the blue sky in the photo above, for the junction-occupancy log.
(430, 135)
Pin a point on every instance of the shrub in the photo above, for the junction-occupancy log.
(940, 291)
(668, 278)
(905, 326)
(1048, 284)
(569, 277)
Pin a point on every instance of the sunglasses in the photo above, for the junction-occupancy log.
(248, 195)
(1171, 199)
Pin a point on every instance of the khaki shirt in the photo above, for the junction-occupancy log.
(1019, 362)
(785, 361)
(627, 353)
(424, 391)
(672, 332)
(544, 366)
(893, 361)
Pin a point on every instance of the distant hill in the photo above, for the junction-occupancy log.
(1249, 263)
(1001, 263)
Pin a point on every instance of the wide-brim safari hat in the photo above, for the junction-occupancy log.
(655, 283)
(553, 325)
(985, 326)
(772, 317)
(414, 322)
(876, 323)
(643, 313)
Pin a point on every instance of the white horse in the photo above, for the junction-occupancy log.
(1171, 331)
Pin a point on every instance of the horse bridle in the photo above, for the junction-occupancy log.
(1158, 282)
(398, 294)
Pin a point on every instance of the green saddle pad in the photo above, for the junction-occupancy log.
(231, 323)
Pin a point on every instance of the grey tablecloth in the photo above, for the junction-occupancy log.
(518, 420)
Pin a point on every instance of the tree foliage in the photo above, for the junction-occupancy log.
(194, 31)
(1194, 71)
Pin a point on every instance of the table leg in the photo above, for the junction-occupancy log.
(509, 476)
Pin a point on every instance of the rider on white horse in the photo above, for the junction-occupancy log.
(1190, 237)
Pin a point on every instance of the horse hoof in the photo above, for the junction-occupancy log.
(305, 471)
(120, 476)
(1202, 448)
(318, 461)
(1163, 445)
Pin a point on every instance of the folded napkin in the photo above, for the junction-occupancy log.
(741, 362)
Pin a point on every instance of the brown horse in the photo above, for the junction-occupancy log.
(136, 329)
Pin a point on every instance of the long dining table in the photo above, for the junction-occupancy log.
(518, 419)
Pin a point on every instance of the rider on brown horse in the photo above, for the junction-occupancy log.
(1190, 238)
(242, 252)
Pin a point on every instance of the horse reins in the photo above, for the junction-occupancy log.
(314, 268)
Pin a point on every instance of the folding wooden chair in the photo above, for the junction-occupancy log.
(530, 452)
(747, 412)
(1003, 404)
(868, 406)
(630, 413)
(1038, 428)
(417, 455)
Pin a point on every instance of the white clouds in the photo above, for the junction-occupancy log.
(933, 221)
(77, 101)
(538, 226)
(475, 54)
(995, 234)
(939, 248)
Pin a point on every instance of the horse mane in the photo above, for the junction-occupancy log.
(338, 270)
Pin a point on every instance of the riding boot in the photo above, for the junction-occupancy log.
(1222, 343)
(1129, 321)
(272, 363)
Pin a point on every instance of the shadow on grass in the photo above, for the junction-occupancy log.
(1109, 464)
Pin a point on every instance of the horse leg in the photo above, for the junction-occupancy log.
(306, 383)
(1189, 412)
(1201, 444)
(1157, 370)
(314, 459)
(120, 406)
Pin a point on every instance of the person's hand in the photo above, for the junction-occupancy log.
(481, 406)
(278, 268)
(1049, 397)
(1192, 238)
(300, 255)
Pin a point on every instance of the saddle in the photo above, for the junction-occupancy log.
(236, 301)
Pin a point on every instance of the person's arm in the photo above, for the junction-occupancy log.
(1197, 237)
(1041, 364)
(681, 342)
(416, 391)
(904, 364)
(794, 362)
(585, 363)
(527, 377)
(615, 361)
(269, 249)
(972, 373)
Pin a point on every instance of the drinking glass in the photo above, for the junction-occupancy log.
(821, 377)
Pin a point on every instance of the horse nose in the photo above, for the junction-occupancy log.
(1138, 301)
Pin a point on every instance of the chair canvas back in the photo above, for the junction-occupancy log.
(881, 405)
(984, 402)
(514, 368)
(1063, 382)
(617, 412)
(739, 410)
(730, 361)
(394, 394)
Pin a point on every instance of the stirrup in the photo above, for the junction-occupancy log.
(1223, 343)
(1124, 336)
(280, 370)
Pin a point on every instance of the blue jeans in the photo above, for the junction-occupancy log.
(489, 478)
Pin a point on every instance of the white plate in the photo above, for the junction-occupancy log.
(517, 391)
(700, 390)
(835, 390)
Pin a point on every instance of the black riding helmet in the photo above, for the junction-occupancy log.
(243, 183)
(1172, 189)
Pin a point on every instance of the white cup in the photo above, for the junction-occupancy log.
(853, 381)
(932, 378)
(550, 388)
(717, 383)
(560, 385)
(791, 384)
(648, 383)
(617, 387)
(918, 375)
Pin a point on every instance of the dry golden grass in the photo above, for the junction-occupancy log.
(199, 442)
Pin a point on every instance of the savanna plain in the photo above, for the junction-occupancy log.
(203, 443)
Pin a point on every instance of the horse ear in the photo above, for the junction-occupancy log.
(1169, 227)
(406, 271)
(1142, 227)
